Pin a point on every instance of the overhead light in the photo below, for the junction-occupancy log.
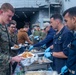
(24, 14)
(33, 12)
(16, 15)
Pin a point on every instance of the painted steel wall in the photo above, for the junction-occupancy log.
(28, 3)
(68, 3)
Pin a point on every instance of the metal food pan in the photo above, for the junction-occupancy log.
(41, 73)
(44, 60)
(39, 65)
(35, 67)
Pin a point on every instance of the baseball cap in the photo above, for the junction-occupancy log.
(46, 24)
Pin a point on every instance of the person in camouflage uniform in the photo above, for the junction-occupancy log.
(12, 35)
(6, 14)
(37, 33)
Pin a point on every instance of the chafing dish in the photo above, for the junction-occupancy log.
(41, 64)
(41, 73)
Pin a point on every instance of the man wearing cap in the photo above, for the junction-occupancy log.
(37, 34)
(48, 39)
(43, 33)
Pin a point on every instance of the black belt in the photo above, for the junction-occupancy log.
(72, 71)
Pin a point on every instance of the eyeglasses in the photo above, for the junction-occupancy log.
(12, 27)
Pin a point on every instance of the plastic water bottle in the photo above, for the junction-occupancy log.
(17, 70)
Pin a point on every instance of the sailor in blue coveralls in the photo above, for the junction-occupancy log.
(70, 19)
(60, 42)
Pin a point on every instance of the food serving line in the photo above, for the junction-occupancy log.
(37, 64)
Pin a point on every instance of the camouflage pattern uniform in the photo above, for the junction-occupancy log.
(36, 33)
(4, 51)
(13, 40)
